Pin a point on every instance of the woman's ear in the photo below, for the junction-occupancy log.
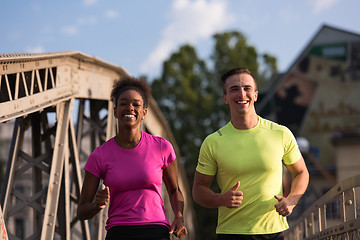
(115, 112)
(144, 113)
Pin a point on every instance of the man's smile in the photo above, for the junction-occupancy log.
(242, 102)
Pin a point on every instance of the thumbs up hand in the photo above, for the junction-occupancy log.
(232, 198)
(284, 206)
(102, 197)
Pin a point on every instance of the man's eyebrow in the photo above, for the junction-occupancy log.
(234, 86)
(237, 86)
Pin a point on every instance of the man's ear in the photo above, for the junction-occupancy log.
(225, 99)
(256, 95)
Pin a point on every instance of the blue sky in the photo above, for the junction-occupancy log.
(139, 35)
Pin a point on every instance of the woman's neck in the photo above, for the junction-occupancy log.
(128, 139)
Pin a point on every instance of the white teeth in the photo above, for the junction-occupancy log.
(242, 102)
(129, 115)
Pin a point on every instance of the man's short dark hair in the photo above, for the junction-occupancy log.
(238, 70)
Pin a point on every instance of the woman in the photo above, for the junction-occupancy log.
(132, 165)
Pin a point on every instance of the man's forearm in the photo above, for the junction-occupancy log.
(298, 187)
(205, 197)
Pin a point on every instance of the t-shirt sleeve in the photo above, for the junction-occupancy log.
(206, 162)
(291, 150)
(93, 163)
(168, 152)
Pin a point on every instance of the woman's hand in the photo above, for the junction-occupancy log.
(102, 197)
(92, 200)
(178, 228)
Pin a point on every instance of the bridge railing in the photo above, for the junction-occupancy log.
(336, 215)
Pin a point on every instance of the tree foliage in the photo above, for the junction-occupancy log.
(232, 50)
(189, 94)
(186, 99)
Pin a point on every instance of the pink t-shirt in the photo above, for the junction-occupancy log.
(134, 177)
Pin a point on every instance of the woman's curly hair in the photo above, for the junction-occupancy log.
(131, 83)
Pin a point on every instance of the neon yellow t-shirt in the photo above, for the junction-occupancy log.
(254, 157)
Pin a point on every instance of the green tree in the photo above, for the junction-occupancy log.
(232, 50)
(268, 68)
(189, 95)
(185, 99)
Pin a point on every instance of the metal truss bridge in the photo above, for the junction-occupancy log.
(56, 108)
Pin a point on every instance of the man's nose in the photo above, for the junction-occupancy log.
(243, 93)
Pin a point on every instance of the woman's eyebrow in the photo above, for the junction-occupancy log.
(125, 98)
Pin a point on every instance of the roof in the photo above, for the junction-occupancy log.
(25, 57)
(320, 37)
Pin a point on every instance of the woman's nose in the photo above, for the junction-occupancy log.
(130, 107)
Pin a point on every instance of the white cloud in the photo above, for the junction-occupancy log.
(69, 30)
(89, 2)
(36, 6)
(192, 21)
(86, 21)
(111, 14)
(35, 49)
(16, 35)
(322, 5)
(46, 29)
(72, 30)
(288, 15)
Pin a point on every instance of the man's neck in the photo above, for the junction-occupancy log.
(246, 121)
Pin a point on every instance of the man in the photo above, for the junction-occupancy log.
(247, 156)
